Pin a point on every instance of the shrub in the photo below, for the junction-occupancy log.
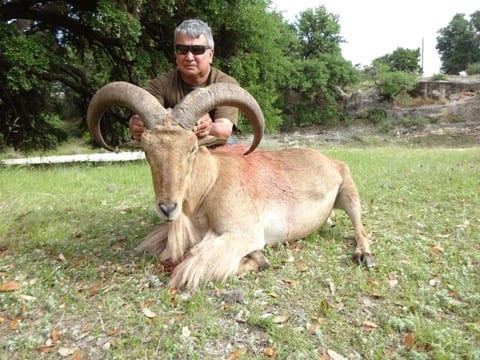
(377, 115)
(438, 77)
(473, 69)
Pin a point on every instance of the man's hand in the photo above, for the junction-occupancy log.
(136, 127)
(203, 126)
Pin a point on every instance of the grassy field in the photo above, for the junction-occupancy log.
(72, 286)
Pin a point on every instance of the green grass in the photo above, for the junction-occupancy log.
(68, 234)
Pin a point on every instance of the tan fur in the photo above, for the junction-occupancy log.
(221, 207)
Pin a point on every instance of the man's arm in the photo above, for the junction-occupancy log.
(220, 128)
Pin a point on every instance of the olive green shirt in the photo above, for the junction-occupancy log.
(170, 89)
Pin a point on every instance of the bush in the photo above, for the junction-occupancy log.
(438, 77)
(392, 84)
(377, 115)
(473, 69)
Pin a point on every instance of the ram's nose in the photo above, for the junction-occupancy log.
(168, 210)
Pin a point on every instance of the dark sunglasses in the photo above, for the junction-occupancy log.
(194, 49)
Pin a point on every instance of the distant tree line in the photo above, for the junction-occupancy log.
(54, 55)
(459, 45)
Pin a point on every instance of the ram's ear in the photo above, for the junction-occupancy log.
(122, 93)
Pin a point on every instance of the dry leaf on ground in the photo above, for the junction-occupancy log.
(10, 286)
(280, 319)
(436, 250)
(335, 356)
(15, 323)
(46, 348)
(271, 352)
(409, 340)
(332, 287)
(67, 351)
(149, 313)
(302, 266)
(237, 354)
(55, 335)
(369, 325)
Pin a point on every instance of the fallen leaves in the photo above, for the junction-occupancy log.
(291, 283)
(64, 351)
(369, 325)
(55, 335)
(149, 313)
(280, 319)
(302, 266)
(332, 287)
(270, 351)
(52, 343)
(15, 323)
(10, 286)
(46, 348)
(436, 250)
(237, 354)
(332, 355)
(409, 340)
(92, 291)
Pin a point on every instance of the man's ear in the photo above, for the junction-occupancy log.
(212, 51)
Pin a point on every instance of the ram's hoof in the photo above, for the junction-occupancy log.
(253, 262)
(364, 259)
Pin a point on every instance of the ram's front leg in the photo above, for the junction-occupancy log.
(214, 258)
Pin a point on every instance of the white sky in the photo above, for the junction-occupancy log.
(373, 28)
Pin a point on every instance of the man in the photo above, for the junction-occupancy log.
(194, 48)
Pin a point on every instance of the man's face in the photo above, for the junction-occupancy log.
(194, 68)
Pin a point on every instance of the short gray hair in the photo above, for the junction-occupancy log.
(194, 28)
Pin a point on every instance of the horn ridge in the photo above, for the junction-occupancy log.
(122, 93)
(203, 100)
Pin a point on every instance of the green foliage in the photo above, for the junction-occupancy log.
(318, 32)
(116, 22)
(393, 83)
(390, 84)
(248, 52)
(74, 47)
(36, 124)
(459, 43)
(377, 115)
(405, 60)
(316, 70)
(473, 69)
(438, 77)
(27, 53)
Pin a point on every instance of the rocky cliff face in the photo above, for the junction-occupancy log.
(446, 101)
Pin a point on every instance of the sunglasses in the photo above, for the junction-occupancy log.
(194, 49)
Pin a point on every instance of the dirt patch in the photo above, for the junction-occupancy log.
(361, 133)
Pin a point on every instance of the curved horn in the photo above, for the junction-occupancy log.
(202, 100)
(122, 93)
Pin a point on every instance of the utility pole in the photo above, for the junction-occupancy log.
(423, 70)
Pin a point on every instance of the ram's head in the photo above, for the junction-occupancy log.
(185, 114)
